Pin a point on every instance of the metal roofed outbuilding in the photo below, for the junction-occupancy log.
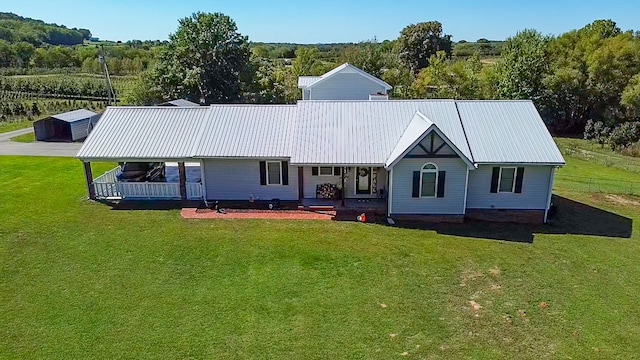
(70, 126)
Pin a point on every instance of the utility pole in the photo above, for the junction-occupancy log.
(111, 94)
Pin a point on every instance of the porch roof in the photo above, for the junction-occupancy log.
(145, 133)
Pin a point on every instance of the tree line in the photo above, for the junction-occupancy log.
(15, 29)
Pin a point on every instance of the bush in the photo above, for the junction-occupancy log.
(597, 131)
(632, 150)
(624, 135)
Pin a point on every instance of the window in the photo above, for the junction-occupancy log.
(428, 180)
(507, 179)
(326, 171)
(274, 173)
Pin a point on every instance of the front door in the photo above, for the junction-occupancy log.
(363, 181)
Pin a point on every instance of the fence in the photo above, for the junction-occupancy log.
(598, 185)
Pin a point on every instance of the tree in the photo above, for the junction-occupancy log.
(367, 56)
(591, 77)
(206, 60)
(418, 42)
(523, 66)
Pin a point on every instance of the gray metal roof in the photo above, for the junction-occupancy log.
(179, 102)
(324, 132)
(253, 131)
(145, 133)
(304, 81)
(507, 132)
(365, 132)
(74, 115)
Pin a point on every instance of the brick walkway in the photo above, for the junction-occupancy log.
(270, 215)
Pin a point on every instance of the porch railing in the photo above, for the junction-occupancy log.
(108, 187)
(109, 176)
(194, 191)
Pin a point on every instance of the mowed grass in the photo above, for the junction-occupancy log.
(79, 280)
(26, 138)
(14, 125)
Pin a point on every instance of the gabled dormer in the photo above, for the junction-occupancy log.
(345, 82)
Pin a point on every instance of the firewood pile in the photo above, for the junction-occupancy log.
(327, 191)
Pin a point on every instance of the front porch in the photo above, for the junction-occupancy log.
(377, 205)
(180, 181)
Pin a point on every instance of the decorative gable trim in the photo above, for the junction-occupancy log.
(430, 152)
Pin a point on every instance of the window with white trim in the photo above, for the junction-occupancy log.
(325, 170)
(507, 180)
(428, 180)
(274, 173)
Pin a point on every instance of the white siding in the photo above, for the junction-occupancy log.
(239, 179)
(345, 87)
(534, 196)
(310, 183)
(79, 129)
(451, 204)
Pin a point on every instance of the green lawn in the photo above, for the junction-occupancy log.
(79, 280)
(17, 125)
(26, 138)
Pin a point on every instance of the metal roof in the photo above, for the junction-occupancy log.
(253, 131)
(344, 68)
(179, 102)
(145, 133)
(304, 81)
(365, 132)
(75, 115)
(507, 132)
(418, 126)
(325, 132)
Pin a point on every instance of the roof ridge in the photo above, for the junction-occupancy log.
(464, 131)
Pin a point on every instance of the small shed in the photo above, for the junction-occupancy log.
(70, 126)
(179, 103)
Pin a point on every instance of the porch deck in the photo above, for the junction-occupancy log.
(371, 205)
(107, 186)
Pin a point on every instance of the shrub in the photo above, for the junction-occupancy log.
(632, 150)
(597, 131)
(624, 135)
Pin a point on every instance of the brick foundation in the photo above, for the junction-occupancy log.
(511, 216)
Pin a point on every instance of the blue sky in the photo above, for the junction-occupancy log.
(328, 20)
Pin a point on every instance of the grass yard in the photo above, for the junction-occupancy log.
(79, 280)
(17, 125)
(26, 138)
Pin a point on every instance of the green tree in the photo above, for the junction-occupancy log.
(206, 60)
(523, 66)
(368, 56)
(418, 42)
(591, 77)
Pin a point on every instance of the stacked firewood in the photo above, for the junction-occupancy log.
(327, 191)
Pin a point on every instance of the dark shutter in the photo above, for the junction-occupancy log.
(442, 175)
(263, 173)
(416, 184)
(314, 171)
(494, 179)
(336, 171)
(285, 173)
(519, 179)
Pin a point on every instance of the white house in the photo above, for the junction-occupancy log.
(415, 158)
(346, 82)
